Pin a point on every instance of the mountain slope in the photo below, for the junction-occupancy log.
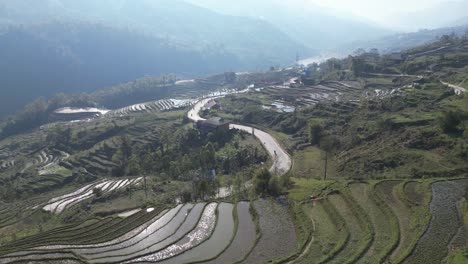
(179, 22)
(402, 41)
(51, 58)
(308, 24)
(72, 46)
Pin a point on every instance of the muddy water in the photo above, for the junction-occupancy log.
(244, 239)
(159, 230)
(219, 240)
(197, 236)
(278, 233)
(148, 246)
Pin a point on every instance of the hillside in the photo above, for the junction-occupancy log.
(308, 24)
(359, 160)
(402, 41)
(74, 58)
(53, 46)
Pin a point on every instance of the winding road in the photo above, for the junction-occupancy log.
(281, 160)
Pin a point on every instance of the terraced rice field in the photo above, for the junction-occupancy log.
(444, 225)
(385, 222)
(243, 240)
(278, 236)
(327, 91)
(361, 235)
(330, 234)
(150, 107)
(58, 204)
(5, 165)
(46, 158)
(412, 220)
(380, 222)
(42, 160)
(208, 233)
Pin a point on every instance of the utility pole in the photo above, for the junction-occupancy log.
(326, 163)
(146, 190)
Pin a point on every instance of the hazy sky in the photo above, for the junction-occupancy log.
(400, 15)
(378, 10)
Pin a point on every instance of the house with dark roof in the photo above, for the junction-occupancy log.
(397, 56)
(212, 124)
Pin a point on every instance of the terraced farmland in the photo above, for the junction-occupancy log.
(278, 236)
(388, 221)
(7, 165)
(212, 233)
(58, 204)
(150, 107)
(444, 225)
(311, 95)
(384, 222)
(41, 160)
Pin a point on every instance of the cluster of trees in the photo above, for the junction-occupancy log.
(451, 122)
(180, 154)
(250, 112)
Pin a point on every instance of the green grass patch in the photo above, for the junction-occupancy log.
(305, 188)
(330, 232)
(358, 224)
(310, 163)
(383, 221)
(415, 223)
(459, 257)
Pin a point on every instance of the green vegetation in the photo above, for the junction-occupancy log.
(379, 148)
(329, 235)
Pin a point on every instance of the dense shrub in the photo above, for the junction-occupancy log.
(315, 132)
(450, 121)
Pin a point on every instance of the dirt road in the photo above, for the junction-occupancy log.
(281, 159)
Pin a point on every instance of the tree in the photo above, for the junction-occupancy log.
(97, 192)
(122, 156)
(274, 186)
(186, 195)
(374, 51)
(328, 144)
(359, 52)
(357, 65)
(134, 165)
(450, 121)
(203, 188)
(207, 156)
(315, 132)
(262, 181)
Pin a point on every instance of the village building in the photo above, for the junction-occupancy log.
(212, 124)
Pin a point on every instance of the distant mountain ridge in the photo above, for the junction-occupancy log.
(175, 21)
(310, 25)
(74, 46)
(81, 57)
(402, 41)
